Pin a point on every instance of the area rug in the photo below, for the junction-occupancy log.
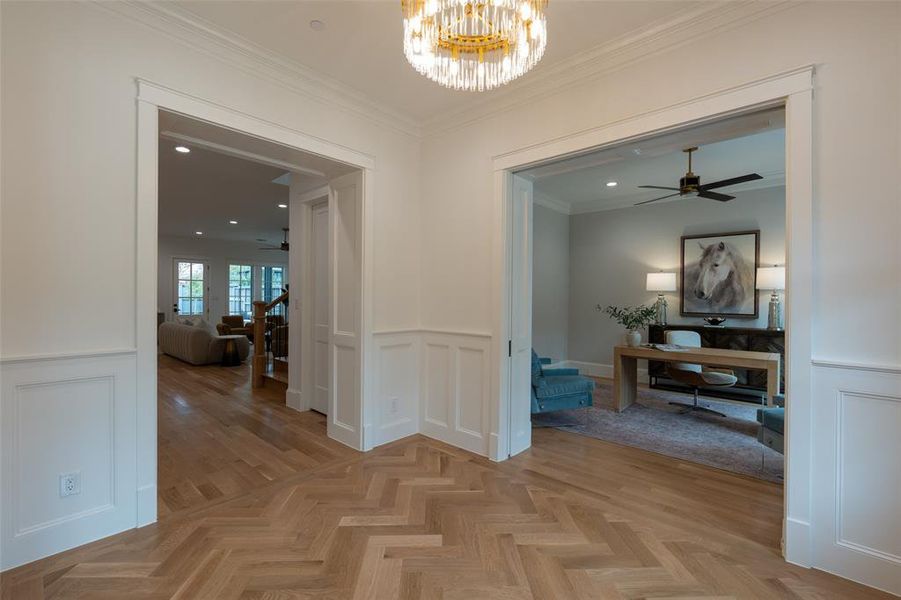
(728, 443)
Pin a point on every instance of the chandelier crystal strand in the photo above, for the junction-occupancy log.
(474, 45)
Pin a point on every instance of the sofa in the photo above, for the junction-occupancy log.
(558, 389)
(196, 343)
(235, 325)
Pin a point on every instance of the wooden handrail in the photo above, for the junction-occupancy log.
(258, 364)
(276, 302)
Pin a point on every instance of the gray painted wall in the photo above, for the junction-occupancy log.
(612, 251)
(550, 282)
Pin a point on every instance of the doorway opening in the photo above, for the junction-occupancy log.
(259, 297)
(616, 245)
(511, 420)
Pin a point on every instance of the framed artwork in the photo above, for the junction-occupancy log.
(719, 275)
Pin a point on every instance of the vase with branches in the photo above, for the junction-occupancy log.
(633, 318)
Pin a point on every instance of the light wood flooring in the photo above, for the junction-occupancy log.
(573, 517)
(219, 438)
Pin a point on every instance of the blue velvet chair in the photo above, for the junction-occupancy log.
(558, 389)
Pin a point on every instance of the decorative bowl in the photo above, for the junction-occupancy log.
(715, 321)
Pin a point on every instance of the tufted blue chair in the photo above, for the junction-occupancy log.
(558, 389)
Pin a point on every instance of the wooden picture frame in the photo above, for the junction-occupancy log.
(719, 275)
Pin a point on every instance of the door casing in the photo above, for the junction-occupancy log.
(793, 90)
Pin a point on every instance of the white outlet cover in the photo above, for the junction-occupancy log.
(69, 484)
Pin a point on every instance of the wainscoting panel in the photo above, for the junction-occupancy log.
(69, 415)
(857, 480)
(455, 389)
(397, 386)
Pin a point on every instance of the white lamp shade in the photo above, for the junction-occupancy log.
(661, 282)
(771, 278)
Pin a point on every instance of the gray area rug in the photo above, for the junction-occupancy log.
(728, 443)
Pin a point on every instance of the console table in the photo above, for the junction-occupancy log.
(752, 382)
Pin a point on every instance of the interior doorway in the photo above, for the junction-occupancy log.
(604, 227)
(511, 419)
(245, 260)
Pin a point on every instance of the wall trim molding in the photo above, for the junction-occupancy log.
(552, 203)
(422, 330)
(107, 353)
(239, 53)
(852, 366)
(662, 36)
(595, 369)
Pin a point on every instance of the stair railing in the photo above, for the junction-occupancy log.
(264, 347)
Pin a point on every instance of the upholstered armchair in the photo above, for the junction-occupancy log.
(558, 389)
(235, 325)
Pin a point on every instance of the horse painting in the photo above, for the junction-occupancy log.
(718, 275)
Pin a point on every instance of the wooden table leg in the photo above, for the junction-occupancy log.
(772, 383)
(625, 380)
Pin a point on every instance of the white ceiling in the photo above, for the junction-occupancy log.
(361, 44)
(729, 148)
(229, 176)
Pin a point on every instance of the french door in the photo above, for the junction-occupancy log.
(191, 288)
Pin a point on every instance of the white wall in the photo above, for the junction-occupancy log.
(550, 282)
(856, 266)
(612, 251)
(858, 91)
(68, 237)
(218, 254)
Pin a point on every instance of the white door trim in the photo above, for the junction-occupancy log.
(794, 90)
(152, 97)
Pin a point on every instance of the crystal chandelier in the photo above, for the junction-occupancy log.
(474, 45)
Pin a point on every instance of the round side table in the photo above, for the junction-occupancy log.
(230, 356)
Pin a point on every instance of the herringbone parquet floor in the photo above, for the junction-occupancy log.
(571, 518)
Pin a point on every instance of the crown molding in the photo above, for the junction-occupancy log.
(664, 35)
(550, 203)
(235, 51)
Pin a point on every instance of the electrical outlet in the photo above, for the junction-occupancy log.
(69, 484)
(394, 406)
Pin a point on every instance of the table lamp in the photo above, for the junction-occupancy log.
(661, 282)
(773, 279)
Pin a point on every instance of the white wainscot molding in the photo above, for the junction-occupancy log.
(856, 473)
(456, 379)
(60, 415)
(397, 385)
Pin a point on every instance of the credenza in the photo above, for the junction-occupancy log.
(751, 386)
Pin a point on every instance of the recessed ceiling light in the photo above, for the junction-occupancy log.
(198, 232)
(283, 206)
(611, 184)
(232, 222)
(317, 25)
(182, 149)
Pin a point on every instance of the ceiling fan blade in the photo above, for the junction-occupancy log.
(733, 181)
(656, 199)
(714, 196)
(658, 187)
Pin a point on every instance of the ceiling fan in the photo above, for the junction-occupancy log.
(283, 246)
(691, 184)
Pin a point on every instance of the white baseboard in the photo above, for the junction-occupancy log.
(294, 399)
(596, 369)
(797, 542)
(397, 430)
(147, 509)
